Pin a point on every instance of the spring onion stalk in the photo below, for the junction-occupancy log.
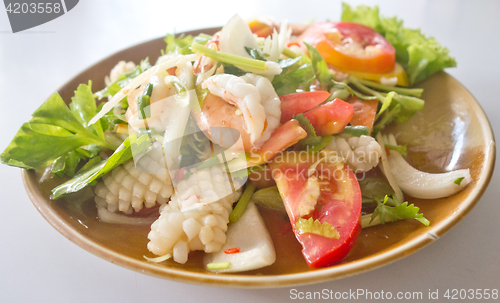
(289, 53)
(240, 207)
(417, 92)
(158, 259)
(406, 101)
(230, 58)
(218, 265)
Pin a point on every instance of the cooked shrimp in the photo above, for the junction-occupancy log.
(248, 104)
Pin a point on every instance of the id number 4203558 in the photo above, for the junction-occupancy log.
(34, 8)
(477, 294)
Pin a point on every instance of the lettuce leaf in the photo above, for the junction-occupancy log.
(130, 147)
(420, 56)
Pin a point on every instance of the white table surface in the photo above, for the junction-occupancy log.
(37, 264)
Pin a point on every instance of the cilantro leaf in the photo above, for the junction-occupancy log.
(315, 227)
(254, 53)
(399, 212)
(83, 107)
(297, 73)
(130, 147)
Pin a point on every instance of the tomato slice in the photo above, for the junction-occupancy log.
(364, 111)
(351, 46)
(297, 103)
(330, 118)
(339, 203)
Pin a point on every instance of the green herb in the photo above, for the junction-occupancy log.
(91, 163)
(143, 102)
(420, 56)
(240, 61)
(296, 74)
(233, 70)
(130, 147)
(123, 80)
(315, 227)
(53, 131)
(356, 131)
(416, 92)
(83, 107)
(67, 163)
(269, 197)
(398, 148)
(254, 53)
(458, 181)
(179, 45)
(375, 188)
(241, 206)
(394, 213)
(319, 66)
(218, 265)
(313, 143)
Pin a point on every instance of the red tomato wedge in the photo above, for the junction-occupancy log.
(330, 118)
(297, 103)
(351, 46)
(339, 204)
(285, 136)
(364, 111)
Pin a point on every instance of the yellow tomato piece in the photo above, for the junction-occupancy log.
(397, 72)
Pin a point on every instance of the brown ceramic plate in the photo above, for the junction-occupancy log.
(451, 132)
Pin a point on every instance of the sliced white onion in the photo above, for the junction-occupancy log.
(386, 169)
(424, 185)
(235, 36)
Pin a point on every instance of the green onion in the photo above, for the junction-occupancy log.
(458, 181)
(144, 101)
(401, 149)
(218, 265)
(417, 92)
(230, 58)
(240, 207)
(356, 131)
(289, 53)
(159, 259)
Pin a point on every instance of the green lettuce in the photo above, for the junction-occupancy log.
(420, 56)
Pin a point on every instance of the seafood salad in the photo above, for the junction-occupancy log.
(259, 116)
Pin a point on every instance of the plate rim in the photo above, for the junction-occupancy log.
(269, 281)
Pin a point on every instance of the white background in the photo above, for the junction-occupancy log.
(37, 264)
